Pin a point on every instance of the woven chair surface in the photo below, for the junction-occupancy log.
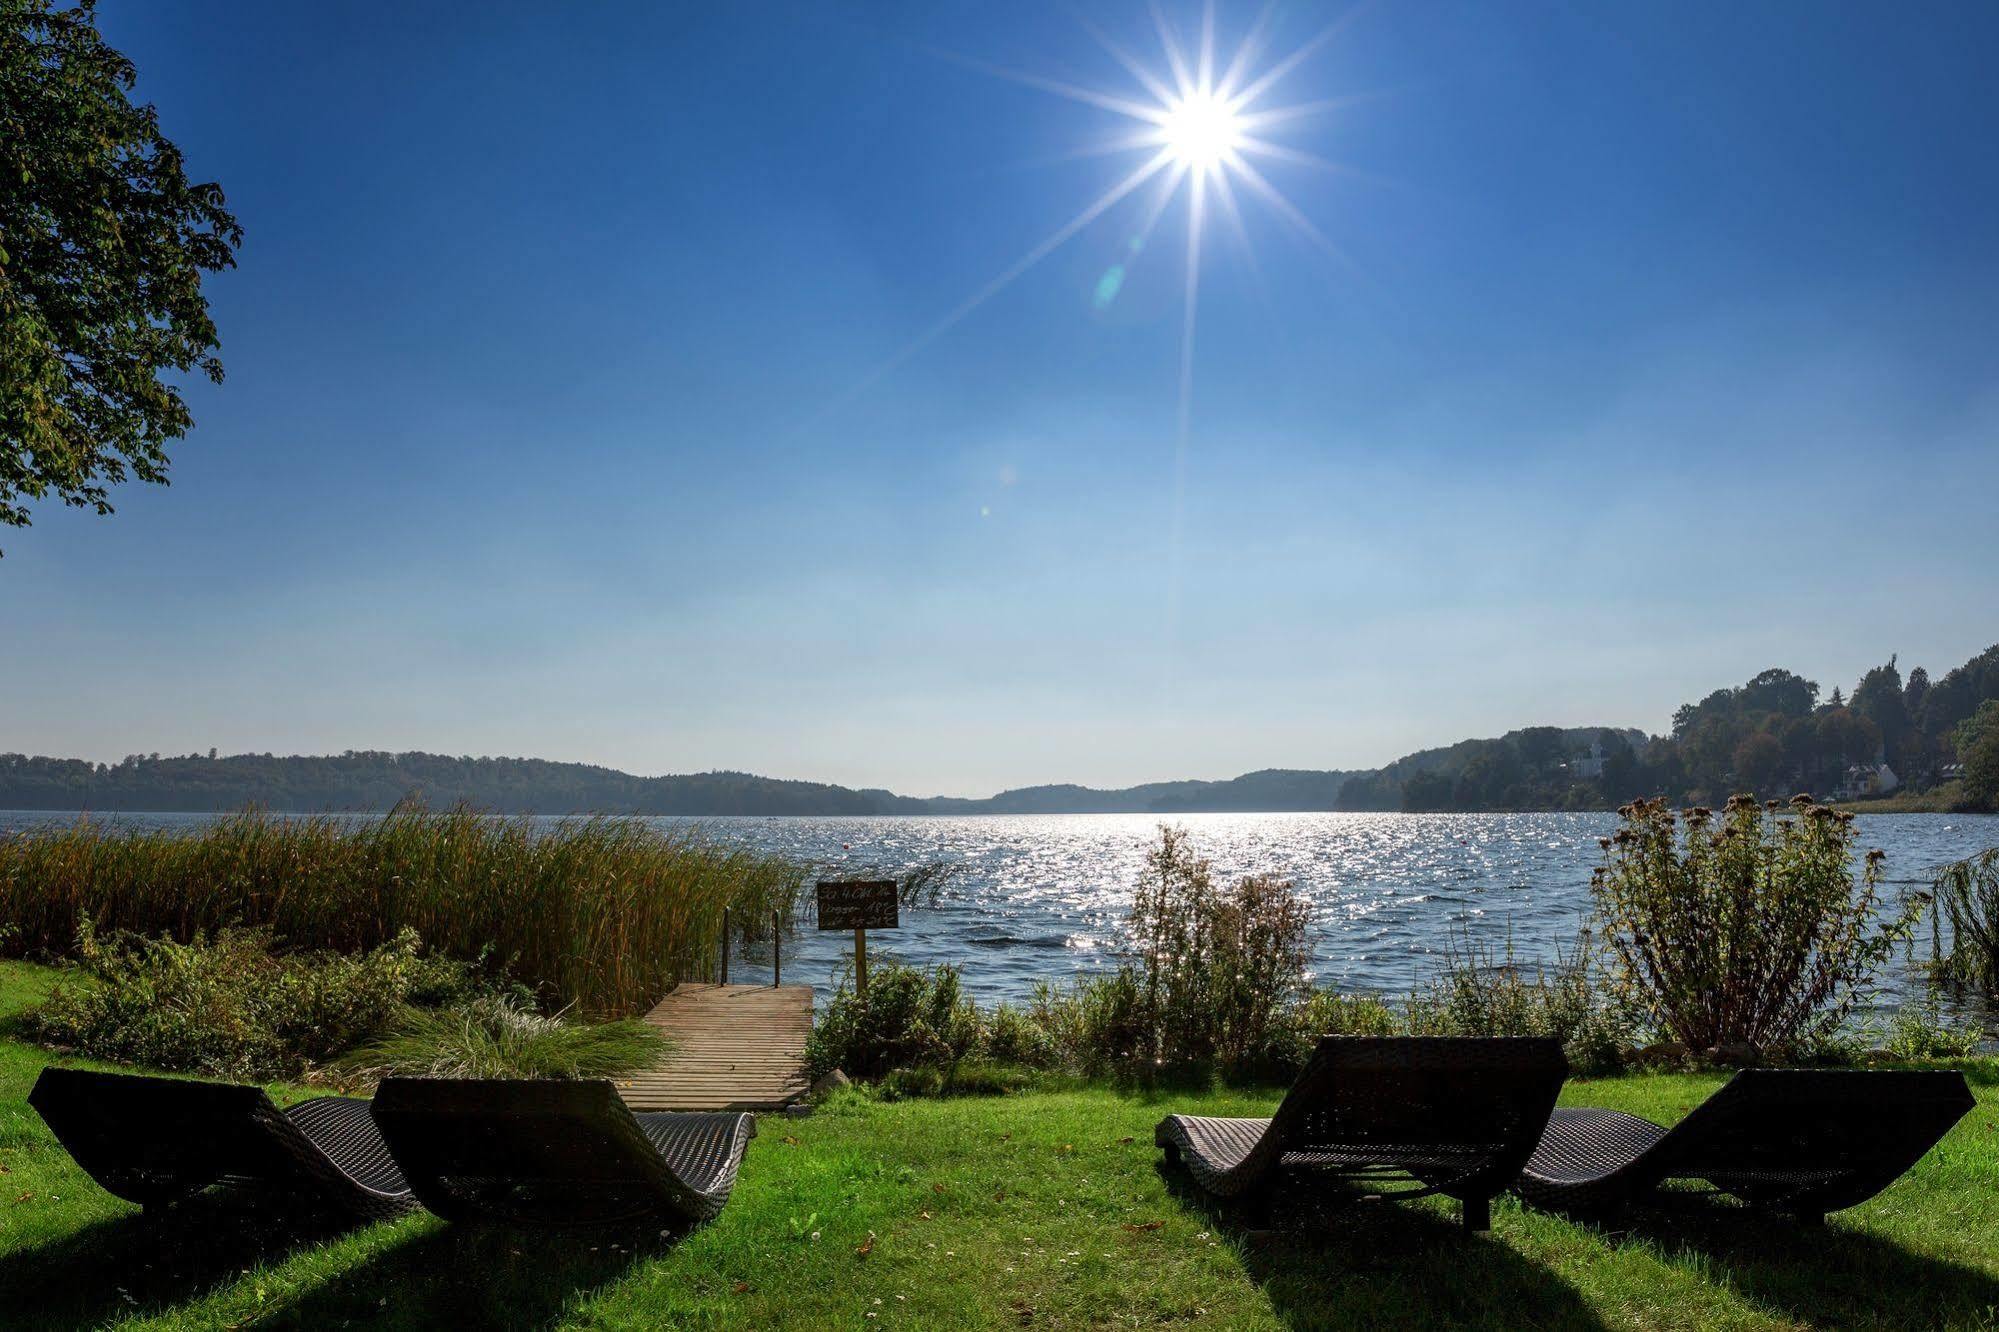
(1805, 1140)
(1456, 1115)
(703, 1150)
(557, 1154)
(156, 1140)
(342, 1128)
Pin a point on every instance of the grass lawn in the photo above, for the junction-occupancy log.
(1042, 1209)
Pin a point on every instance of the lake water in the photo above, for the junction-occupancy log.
(1043, 897)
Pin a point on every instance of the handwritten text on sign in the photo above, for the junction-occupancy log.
(867, 904)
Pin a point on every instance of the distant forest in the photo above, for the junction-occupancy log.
(376, 780)
(1773, 735)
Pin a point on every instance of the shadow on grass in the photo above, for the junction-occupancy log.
(147, 1261)
(472, 1276)
(1325, 1259)
(1829, 1275)
(435, 1276)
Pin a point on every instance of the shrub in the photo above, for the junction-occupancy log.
(1748, 932)
(1967, 895)
(1322, 1013)
(230, 1007)
(908, 1018)
(501, 1036)
(1475, 995)
(1479, 994)
(1096, 1023)
(1923, 1031)
(1331, 1013)
(1012, 1036)
(1219, 965)
(970, 1077)
(602, 913)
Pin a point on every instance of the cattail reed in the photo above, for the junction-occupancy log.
(604, 913)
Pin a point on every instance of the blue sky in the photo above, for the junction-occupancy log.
(1660, 351)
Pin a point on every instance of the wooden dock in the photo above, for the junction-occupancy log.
(736, 1047)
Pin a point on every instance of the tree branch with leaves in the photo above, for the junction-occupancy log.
(103, 245)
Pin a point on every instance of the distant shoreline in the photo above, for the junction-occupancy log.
(1945, 799)
(1916, 804)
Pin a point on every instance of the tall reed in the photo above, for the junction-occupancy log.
(603, 913)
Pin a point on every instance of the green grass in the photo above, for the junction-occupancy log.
(1043, 1209)
(604, 913)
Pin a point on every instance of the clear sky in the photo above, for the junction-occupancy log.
(578, 403)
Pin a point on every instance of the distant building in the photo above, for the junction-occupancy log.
(1589, 766)
(1867, 779)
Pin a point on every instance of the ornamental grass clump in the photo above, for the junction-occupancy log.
(1749, 933)
(502, 1036)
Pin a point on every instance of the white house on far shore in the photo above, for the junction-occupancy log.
(1867, 779)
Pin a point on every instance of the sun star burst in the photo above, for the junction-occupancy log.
(1202, 130)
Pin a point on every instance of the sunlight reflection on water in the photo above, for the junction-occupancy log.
(1043, 897)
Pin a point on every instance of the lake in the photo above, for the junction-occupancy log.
(1043, 897)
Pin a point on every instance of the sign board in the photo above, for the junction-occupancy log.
(865, 904)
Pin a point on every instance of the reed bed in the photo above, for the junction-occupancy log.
(603, 913)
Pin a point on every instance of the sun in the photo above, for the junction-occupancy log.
(1205, 129)
(1200, 130)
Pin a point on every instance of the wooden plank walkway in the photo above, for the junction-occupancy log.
(736, 1047)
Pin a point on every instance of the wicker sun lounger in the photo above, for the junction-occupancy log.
(557, 1153)
(1803, 1141)
(1450, 1115)
(156, 1141)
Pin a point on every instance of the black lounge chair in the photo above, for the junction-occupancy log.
(157, 1141)
(1803, 1141)
(1450, 1115)
(557, 1153)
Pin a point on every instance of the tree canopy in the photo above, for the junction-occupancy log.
(1770, 736)
(103, 244)
(1978, 749)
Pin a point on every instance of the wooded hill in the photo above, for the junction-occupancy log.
(1772, 735)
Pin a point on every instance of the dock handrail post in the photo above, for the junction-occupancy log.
(725, 945)
(776, 950)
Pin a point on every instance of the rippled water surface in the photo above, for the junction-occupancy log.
(1043, 897)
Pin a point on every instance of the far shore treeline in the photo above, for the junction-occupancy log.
(1774, 735)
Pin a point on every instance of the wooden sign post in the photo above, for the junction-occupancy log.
(858, 905)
